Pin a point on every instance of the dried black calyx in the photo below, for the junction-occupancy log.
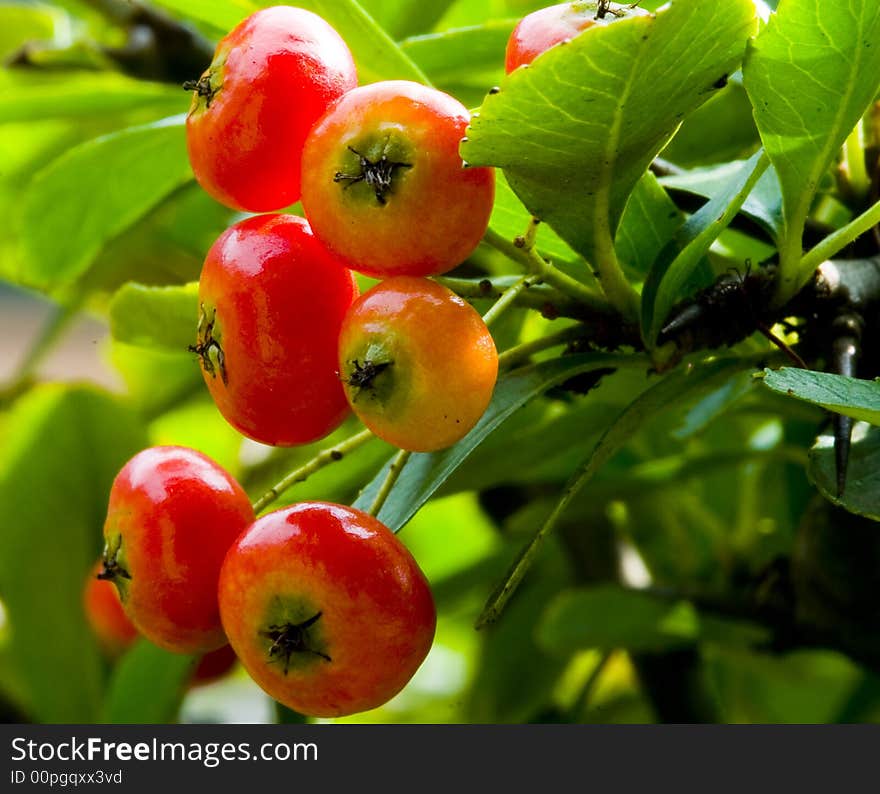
(202, 87)
(289, 639)
(208, 347)
(364, 374)
(378, 174)
(112, 569)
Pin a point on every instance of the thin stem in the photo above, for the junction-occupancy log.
(393, 473)
(507, 299)
(514, 355)
(540, 296)
(529, 258)
(498, 600)
(838, 240)
(322, 459)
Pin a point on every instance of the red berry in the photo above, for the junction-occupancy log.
(213, 666)
(271, 79)
(272, 303)
(326, 609)
(384, 186)
(172, 516)
(418, 363)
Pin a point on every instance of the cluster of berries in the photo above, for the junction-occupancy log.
(321, 603)
(324, 607)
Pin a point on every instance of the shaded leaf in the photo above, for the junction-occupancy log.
(649, 221)
(853, 397)
(609, 617)
(424, 473)
(678, 386)
(62, 449)
(763, 205)
(862, 492)
(461, 54)
(671, 275)
(147, 686)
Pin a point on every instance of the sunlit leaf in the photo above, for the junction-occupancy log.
(574, 149)
(95, 191)
(811, 73)
(157, 317)
(853, 397)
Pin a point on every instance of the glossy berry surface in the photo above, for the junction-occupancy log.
(537, 32)
(116, 633)
(384, 186)
(173, 514)
(418, 363)
(326, 609)
(272, 301)
(272, 77)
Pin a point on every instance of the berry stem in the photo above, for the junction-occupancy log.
(507, 299)
(514, 355)
(393, 473)
(322, 459)
(523, 251)
(540, 296)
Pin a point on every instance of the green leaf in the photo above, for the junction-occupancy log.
(853, 397)
(763, 205)
(811, 73)
(28, 96)
(672, 273)
(61, 451)
(376, 55)
(511, 219)
(424, 473)
(648, 223)
(220, 16)
(675, 388)
(461, 55)
(157, 317)
(576, 130)
(401, 18)
(862, 493)
(515, 676)
(148, 686)
(721, 130)
(609, 617)
(92, 193)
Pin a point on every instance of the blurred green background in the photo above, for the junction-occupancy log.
(95, 194)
